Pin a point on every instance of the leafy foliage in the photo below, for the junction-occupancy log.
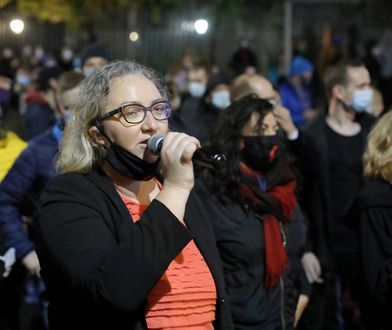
(75, 13)
(4, 3)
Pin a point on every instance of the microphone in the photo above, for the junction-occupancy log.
(201, 157)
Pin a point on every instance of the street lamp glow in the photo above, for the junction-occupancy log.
(201, 26)
(134, 36)
(17, 26)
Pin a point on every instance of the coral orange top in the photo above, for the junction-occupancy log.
(185, 296)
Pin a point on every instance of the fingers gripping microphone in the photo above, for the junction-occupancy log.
(202, 158)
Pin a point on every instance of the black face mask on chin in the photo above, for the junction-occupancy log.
(129, 165)
(260, 152)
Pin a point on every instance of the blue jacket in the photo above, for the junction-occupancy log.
(294, 102)
(27, 177)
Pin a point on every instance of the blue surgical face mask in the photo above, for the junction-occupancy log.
(362, 100)
(23, 80)
(197, 89)
(221, 99)
(88, 71)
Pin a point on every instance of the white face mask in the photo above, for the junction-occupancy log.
(67, 54)
(362, 99)
(23, 80)
(39, 52)
(197, 89)
(221, 99)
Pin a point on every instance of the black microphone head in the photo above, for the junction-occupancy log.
(154, 144)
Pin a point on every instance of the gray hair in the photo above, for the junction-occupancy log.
(80, 152)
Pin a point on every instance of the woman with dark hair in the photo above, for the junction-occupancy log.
(249, 201)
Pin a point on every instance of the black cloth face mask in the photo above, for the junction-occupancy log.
(129, 165)
(260, 152)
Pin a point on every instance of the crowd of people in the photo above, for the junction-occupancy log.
(101, 231)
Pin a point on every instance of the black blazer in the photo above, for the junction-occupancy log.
(99, 266)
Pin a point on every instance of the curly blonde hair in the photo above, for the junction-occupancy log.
(79, 152)
(378, 155)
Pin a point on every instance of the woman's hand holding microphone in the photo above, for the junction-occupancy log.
(176, 163)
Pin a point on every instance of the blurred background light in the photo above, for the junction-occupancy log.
(134, 36)
(201, 26)
(17, 26)
(187, 26)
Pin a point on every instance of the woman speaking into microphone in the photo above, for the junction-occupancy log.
(118, 248)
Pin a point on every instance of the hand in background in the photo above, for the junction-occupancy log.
(312, 267)
(31, 262)
(283, 117)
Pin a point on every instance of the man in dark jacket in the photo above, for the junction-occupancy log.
(340, 138)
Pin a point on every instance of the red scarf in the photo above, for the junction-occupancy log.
(275, 253)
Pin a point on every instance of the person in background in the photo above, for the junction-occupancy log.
(301, 147)
(249, 200)
(92, 57)
(296, 92)
(66, 58)
(10, 148)
(31, 172)
(296, 287)
(9, 59)
(244, 59)
(246, 84)
(179, 71)
(6, 80)
(197, 84)
(23, 85)
(339, 137)
(41, 102)
(22, 186)
(175, 122)
(215, 99)
(197, 80)
(12, 125)
(372, 214)
(118, 248)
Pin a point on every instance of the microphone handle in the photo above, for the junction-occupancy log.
(213, 161)
(201, 157)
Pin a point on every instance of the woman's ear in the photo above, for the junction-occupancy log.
(97, 137)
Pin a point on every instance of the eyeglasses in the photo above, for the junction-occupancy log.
(134, 113)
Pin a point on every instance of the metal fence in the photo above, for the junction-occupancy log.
(160, 46)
